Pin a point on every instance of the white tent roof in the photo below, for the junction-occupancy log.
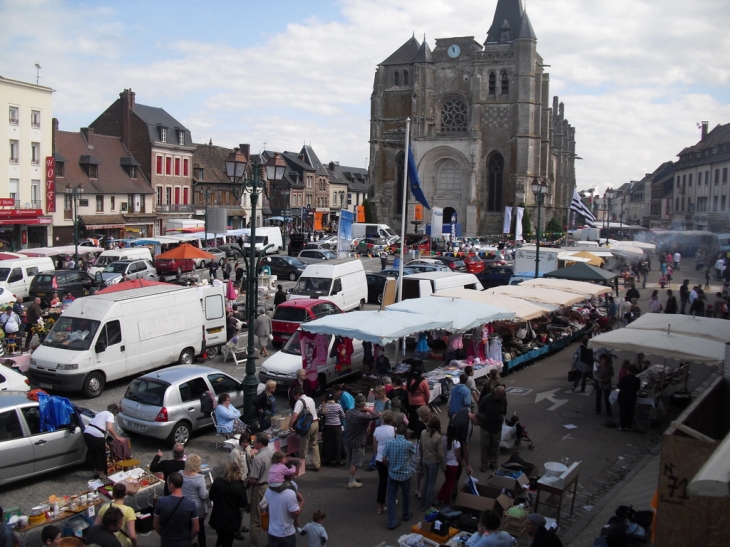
(669, 346)
(463, 314)
(707, 328)
(57, 251)
(579, 287)
(522, 308)
(539, 294)
(378, 327)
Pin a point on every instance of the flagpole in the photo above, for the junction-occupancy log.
(403, 212)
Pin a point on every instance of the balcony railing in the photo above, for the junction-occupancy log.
(174, 208)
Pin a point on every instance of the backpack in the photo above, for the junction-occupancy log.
(207, 403)
(304, 420)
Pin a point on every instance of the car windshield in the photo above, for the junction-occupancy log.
(288, 313)
(148, 391)
(329, 255)
(116, 267)
(105, 260)
(293, 347)
(4, 273)
(72, 333)
(294, 262)
(313, 285)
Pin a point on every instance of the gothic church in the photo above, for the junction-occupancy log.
(482, 127)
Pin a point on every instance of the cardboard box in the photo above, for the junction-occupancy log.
(516, 487)
(280, 422)
(426, 527)
(489, 498)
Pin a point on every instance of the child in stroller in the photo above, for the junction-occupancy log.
(514, 433)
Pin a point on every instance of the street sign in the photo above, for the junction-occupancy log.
(517, 391)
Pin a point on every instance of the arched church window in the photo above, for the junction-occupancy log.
(396, 78)
(492, 83)
(405, 77)
(449, 177)
(505, 83)
(495, 171)
(453, 116)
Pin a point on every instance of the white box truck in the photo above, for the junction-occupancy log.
(265, 235)
(341, 280)
(118, 334)
(361, 230)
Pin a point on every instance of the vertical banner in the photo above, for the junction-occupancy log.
(507, 220)
(453, 226)
(50, 184)
(518, 224)
(314, 353)
(318, 222)
(361, 213)
(437, 222)
(344, 234)
(418, 212)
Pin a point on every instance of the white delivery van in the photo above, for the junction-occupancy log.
(110, 336)
(340, 280)
(115, 255)
(283, 365)
(361, 230)
(17, 273)
(428, 283)
(265, 235)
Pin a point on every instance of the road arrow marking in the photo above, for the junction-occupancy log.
(550, 396)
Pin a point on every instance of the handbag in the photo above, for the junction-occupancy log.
(572, 374)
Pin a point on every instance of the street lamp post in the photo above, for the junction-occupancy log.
(75, 192)
(206, 195)
(608, 196)
(539, 188)
(245, 176)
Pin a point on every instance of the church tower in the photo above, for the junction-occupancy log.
(482, 126)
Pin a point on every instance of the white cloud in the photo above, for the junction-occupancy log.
(635, 75)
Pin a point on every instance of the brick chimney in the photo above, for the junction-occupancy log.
(86, 132)
(704, 129)
(126, 98)
(54, 134)
(245, 150)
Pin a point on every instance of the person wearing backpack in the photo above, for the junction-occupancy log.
(303, 406)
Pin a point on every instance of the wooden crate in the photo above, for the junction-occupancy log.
(514, 526)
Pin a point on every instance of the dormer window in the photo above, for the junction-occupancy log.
(60, 169)
(132, 172)
(93, 171)
(163, 134)
(181, 138)
(199, 173)
(91, 165)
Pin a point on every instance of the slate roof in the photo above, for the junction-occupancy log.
(405, 54)
(156, 117)
(311, 158)
(719, 135)
(357, 179)
(510, 11)
(526, 29)
(424, 54)
(109, 152)
(212, 159)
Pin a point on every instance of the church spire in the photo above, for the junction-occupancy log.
(526, 28)
(424, 54)
(510, 11)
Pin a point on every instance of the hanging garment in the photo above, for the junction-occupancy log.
(495, 350)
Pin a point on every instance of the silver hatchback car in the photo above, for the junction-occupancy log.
(165, 404)
(28, 451)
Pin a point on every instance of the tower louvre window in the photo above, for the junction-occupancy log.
(453, 116)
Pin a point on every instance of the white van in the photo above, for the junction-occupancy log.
(265, 235)
(17, 273)
(361, 230)
(341, 280)
(115, 255)
(428, 283)
(110, 336)
(283, 365)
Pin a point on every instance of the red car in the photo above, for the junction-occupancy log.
(173, 266)
(474, 264)
(290, 314)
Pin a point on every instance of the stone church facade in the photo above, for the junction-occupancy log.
(482, 127)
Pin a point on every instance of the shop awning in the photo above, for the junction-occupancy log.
(463, 314)
(103, 222)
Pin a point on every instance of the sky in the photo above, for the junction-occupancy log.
(636, 76)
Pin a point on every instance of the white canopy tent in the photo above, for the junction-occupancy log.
(707, 328)
(523, 309)
(579, 287)
(58, 251)
(463, 314)
(539, 294)
(378, 327)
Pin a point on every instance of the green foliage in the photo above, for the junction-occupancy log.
(554, 229)
(370, 214)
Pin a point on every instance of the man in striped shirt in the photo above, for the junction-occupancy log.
(397, 456)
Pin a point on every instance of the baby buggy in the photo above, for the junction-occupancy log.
(514, 434)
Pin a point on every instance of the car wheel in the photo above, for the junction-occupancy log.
(187, 357)
(93, 385)
(361, 307)
(181, 434)
(321, 385)
(380, 298)
(211, 352)
(292, 276)
(179, 270)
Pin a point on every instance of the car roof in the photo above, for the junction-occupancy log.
(13, 398)
(180, 372)
(301, 303)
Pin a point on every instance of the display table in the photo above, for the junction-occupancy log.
(62, 516)
(648, 401)
(546, 349)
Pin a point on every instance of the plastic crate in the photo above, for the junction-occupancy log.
(420, 541)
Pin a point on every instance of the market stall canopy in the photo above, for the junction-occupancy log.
(669, 346)
(638, 244)
(522, 309)
(582, 272)
(131, 284)
(579, 287)
(539, 294)
(59, 251)
(185, 252)
(593, 260)
(707, 328)
(463, 314)
(629, 251)
(377, 327)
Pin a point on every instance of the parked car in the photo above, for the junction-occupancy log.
(395, 272)
(317, 245)
(27, 451)
(371, 245)
(474, 264)
(292, 313)
(427, 267)
(426, 262)
(288, 267)
(217, 255)
(455, 263)
(232, 250)
(495, 276)
(421, 241)
(376, 285)
(174, 266)
(165, 404)
(134, 269)
(12, 380)
(312, 256)
(296, 243)
(330, 240)
(62, 281)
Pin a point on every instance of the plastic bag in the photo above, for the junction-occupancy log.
(471, 484)
(509, 436)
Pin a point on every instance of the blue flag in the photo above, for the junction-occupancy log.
(413, 182)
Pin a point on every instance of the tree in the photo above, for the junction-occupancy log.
(554, 229)
(370, 214)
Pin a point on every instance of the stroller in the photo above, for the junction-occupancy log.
(514, 434)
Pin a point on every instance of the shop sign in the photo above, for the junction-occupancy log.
(50, 184)
(5, 213)
(7, 202)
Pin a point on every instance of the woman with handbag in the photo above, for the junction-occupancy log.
(228, 495)
(193, 488)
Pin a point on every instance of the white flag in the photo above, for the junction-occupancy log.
(507, 220)
(437, 221)
(518, 224)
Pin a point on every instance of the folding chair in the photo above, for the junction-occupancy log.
(229, 439)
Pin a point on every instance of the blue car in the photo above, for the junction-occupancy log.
(495, 276)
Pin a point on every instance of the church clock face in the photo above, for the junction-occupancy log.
(454, 51)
